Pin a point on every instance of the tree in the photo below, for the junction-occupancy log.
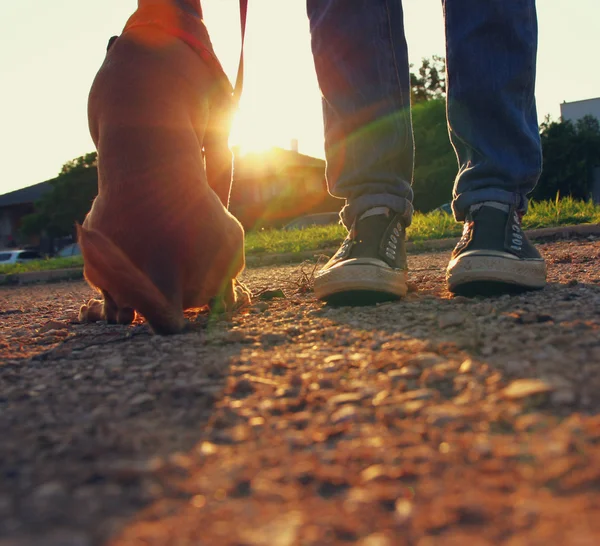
(430, 82)
(80, 164)
(570, 153)
(69, 200)
(435, 160)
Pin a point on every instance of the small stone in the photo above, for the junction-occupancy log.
(142, 400)
(453, 318)
(532, 318)
(281, 531)
(373, 473)
(272, 338)
(423, 360)
(563, 397)
(345, 414)
(56, 333)
(410, 396)
(334, 358)
(236, 336)
(443, 414)
(523, 388)
(50, 490)
(407, 372)
(376, 539)
(404, 510)
(130, 471)
(53, 325)
(564, 391)
(259, 307)
(345, 398)
(114, 362)
(466, 367)
(380, 397)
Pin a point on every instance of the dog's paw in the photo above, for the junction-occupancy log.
(242, 295)
(92, 311)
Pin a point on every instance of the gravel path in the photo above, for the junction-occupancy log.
(431, 421)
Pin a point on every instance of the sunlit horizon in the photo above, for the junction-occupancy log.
(48, 71)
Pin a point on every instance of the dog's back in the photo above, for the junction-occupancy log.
(149, 109)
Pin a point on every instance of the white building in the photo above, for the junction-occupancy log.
(575, 110)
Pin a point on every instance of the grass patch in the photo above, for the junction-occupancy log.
(271, 241)
(433, 225)
(561, 212)
(42, 265)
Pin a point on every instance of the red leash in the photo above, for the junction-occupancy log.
(239, 81)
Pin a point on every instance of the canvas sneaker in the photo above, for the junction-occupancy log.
(370, 266)
(494, 253)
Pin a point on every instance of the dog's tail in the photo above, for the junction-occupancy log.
(107, 267)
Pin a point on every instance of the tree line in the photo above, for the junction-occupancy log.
(570, 153)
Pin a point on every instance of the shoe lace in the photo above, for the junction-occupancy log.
(467, 227)
(346, 244)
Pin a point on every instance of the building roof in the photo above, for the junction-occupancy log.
(26, 195)
(258, 164)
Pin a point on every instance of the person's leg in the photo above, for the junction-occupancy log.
(491, 62)
(362, 67)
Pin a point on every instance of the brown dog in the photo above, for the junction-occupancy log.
(159, 238)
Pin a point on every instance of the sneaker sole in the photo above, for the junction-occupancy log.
(361, 285)
(481, 271)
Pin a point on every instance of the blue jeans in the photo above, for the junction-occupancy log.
(361, 60)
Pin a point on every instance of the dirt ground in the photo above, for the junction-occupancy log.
(430, 421)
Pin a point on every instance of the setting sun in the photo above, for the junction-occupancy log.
(281, 99)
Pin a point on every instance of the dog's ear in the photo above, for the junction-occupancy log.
(112, 40)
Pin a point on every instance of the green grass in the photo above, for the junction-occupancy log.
(424, 227)
(270, 241)
(561, 212)
(433, 225)
(42, 265)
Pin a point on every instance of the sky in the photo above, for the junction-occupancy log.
(51, 52)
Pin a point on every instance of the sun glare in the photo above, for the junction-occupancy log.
(281, 100)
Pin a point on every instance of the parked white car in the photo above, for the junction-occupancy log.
(18, 256)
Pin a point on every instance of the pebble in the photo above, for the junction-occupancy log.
(403, 510)
(376, 539)
(346, 414)
(466, 367)
(419, 394)
(523, 388)
(563, 397)
(453, 318)
(53, 325)
(281, 531)
(424, 359)
(407, 372)
(143, 399)
(345, 398)
(443, 414)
